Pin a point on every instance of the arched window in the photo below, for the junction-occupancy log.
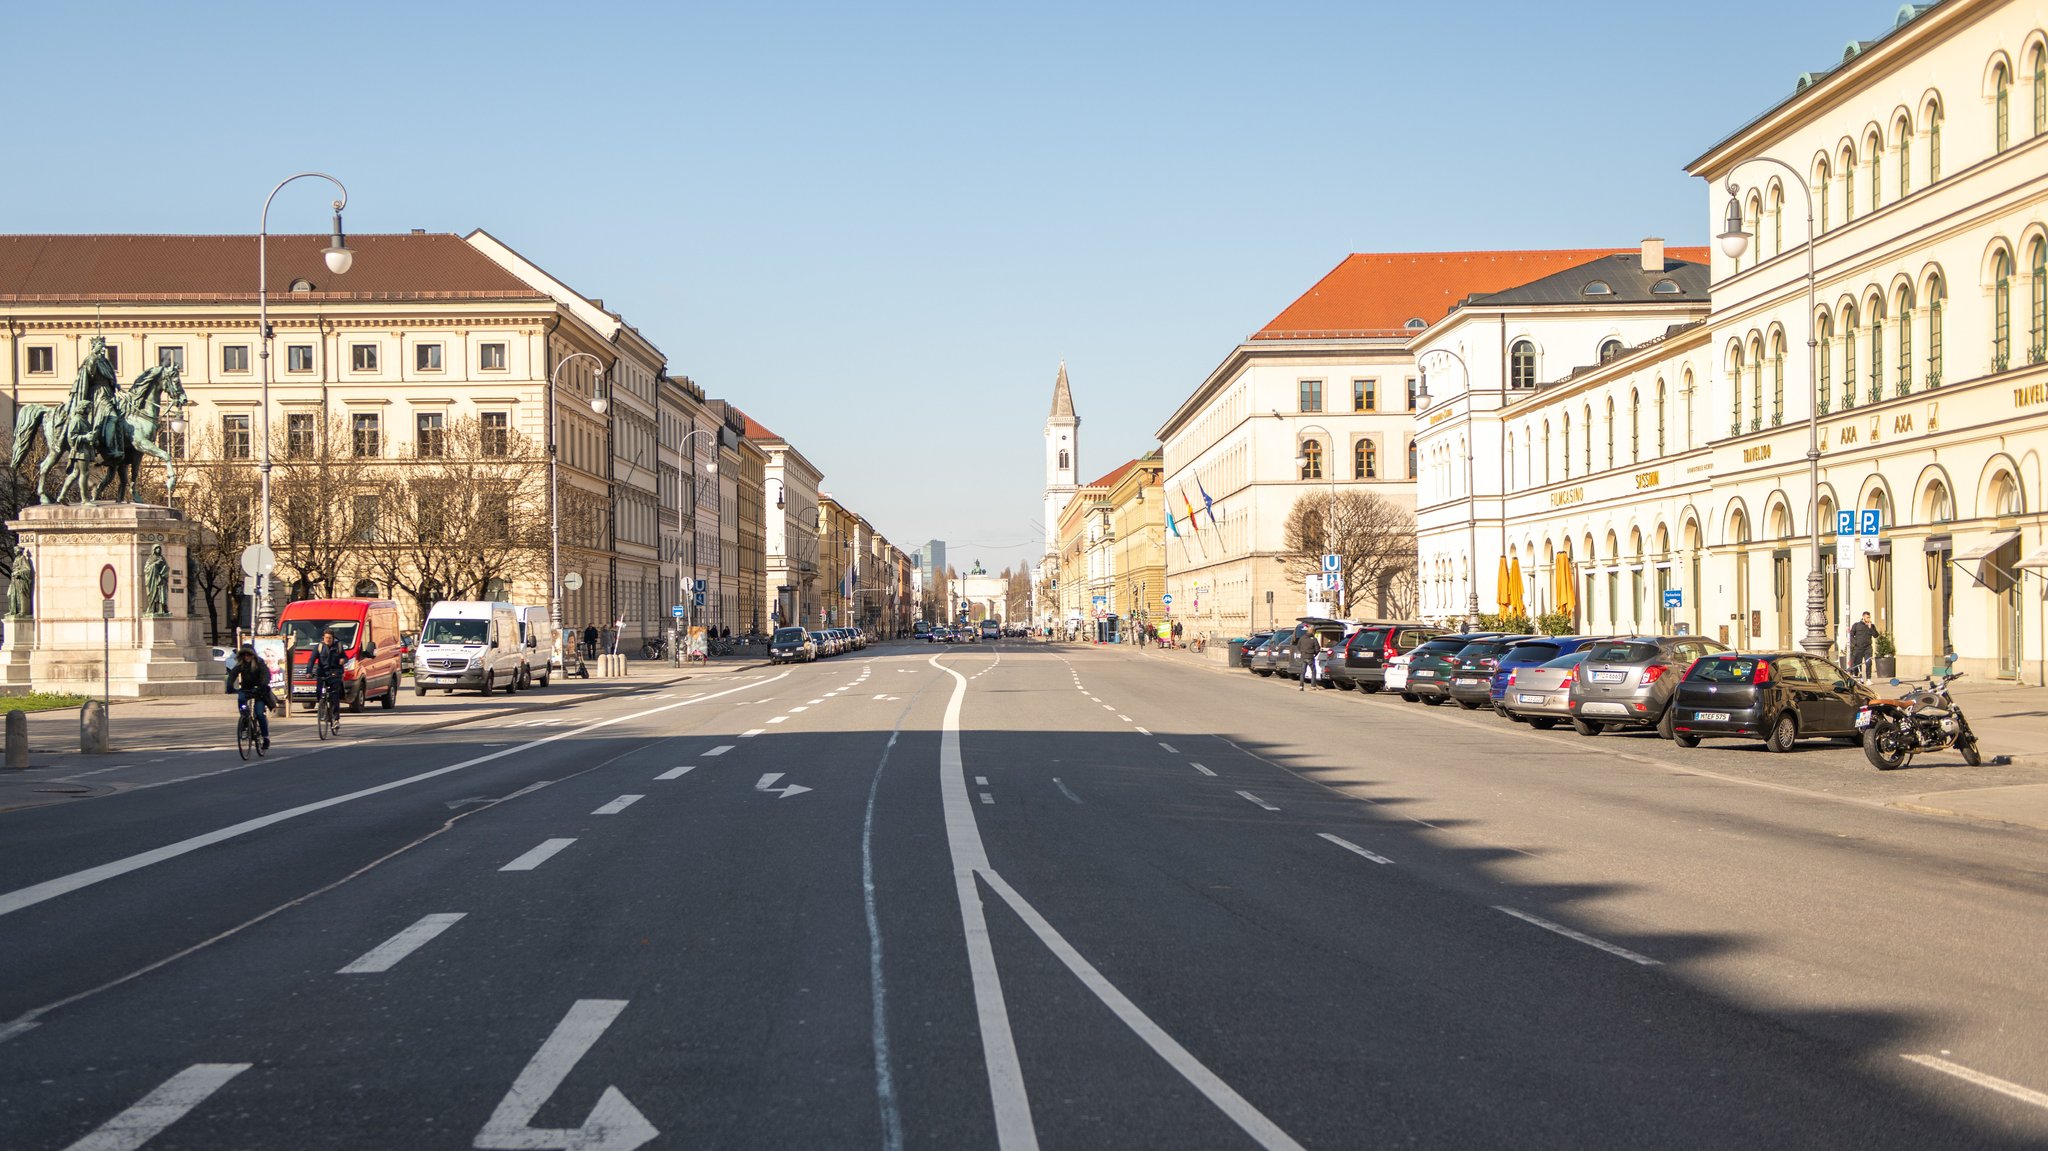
(1755, 213)
(1824, 348)
(2040, 89)
(1546, 451)
(1848, 184)
(1875, 147)
(1849, 334)
(1933, 142)
(1411, 459)
(1777, 378)
(1660, 416)
(2001, 104)
(1905, 130)
(1822, 184)
(1609, 349)
(1522, 365)
(1937, 296)
(1564, 428)
(367, 589)
(1756, 385)
(1365, 461)
(1063, 460)
(1876, 348)
(1905, 321)
(1777, 219)
(1735, 387)
(2001, 312)
(2037, 280)
(1311, 459)
(1588, 419)
(1610, 431)
(1635, 426)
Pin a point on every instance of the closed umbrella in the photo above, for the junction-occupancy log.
(1504, 592)
(1563, 577)
(1515, 604)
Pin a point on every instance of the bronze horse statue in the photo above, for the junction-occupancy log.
(125, 435)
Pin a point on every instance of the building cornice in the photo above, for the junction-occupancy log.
(1244, 354)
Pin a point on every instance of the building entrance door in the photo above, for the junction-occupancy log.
(2000, 567)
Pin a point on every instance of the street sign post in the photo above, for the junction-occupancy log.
(110, 582)
(1167, 598)
(1330, 563)
(1674, 597)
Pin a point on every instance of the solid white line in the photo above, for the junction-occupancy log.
(1200, 768)
(1255, 1124)
(160, 1108)
(752, 732)
(677, 772)
(386, 955)
(14, 901)
(1581, 937)
(1010, 1100)
(618, 805)
(721, 749)
(1171, 750)
(1255, 799)
(538, 855)
(1352, 847)
(1990, 1082)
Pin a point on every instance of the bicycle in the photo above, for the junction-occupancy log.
(327, 714)
(248, 736)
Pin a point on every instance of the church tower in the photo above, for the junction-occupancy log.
(1062, 458)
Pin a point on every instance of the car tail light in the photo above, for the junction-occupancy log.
(1654, 672)
(1567, 680)
(1490, 664)
(1762, 673)
(1511, 679)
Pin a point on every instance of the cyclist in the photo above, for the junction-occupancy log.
(326, 665)
(249, 679)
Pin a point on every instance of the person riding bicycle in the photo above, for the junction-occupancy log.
(326, 666)
(249, 679)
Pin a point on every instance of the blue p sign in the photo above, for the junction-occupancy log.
(1845, 523)
(1872, 522)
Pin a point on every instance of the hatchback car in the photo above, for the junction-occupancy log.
(1332, 633)
(1241, 650)
(1628, 682)
(1473, 667)
(1269, 656)
(1778, 697)
(791, 645)
(1541, 696)
(1534, 652)
(1430, 668)
(1364, 658)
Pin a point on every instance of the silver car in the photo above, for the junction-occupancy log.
(1628, 682)
(1541, 696)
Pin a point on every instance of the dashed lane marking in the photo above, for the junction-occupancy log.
(1143, 731)
(1353, 848)
(1581, 937)
(539, 855)
(981, 781)
(1065, 790)
(160, 1108)
(1203, 770)
(752, 732)
(618, 805)
(1169, 747)
(987, 798)
(1249, 797)
(778, 719)
(721, 749)
(677, 772)
(386, 955)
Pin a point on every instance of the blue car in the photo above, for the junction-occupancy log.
(1529, 653)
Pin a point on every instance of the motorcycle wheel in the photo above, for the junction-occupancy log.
(1881, 747)
(1971, 755)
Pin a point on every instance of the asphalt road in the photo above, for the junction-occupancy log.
(1013, 896)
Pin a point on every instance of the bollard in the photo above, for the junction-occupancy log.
(17, 740)
(93, 737)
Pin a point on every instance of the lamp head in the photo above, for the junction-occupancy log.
(1734, 240)
(598, 403)
(340, 258)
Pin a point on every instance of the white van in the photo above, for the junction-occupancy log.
(469, 644)
(537, 638)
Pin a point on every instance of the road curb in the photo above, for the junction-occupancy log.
(1961, 813)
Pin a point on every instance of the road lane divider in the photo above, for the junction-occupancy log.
(677, 772)
(170, 1102)
(547, 850)
(618, 805)
(752, 732)
(1581, 937)
(1352, 847)
(721, 749)
(1203, 770)
(33, 894)
(386, 955)
(2005, 1087)
(1170, 749)
(1250, 798)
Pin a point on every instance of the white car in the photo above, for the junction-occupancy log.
(1397, 673)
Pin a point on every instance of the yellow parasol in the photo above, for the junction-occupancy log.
(1562, 576)
(1515, 604)
(1503, 590)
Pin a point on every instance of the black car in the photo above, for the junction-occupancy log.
(1362, 661)
(1269, 656)
(1778, 697)
(1431, 667)
(1473, 667)
(1241, 650)
(791, 645)
(1330, 633)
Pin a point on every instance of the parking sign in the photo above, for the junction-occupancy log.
(1872, 522)
(1845, 522)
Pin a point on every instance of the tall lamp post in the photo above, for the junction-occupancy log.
(339, 259)
(1734, 242)
(1329, 465)
(1422, 399)
(598, 405)
(709, 469)
(817, 529)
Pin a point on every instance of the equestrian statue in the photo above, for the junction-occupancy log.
(101, 424)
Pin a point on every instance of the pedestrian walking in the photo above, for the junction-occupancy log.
(589, 640)
(1177, 632)
(1862, 638)
(1310, 645)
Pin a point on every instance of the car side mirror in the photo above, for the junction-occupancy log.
(369, 651)
(493, 645)
(1843, 685)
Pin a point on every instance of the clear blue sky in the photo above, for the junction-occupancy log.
(879, 227)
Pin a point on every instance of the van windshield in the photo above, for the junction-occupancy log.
(444, 630)
(787, 635)
(305, 633)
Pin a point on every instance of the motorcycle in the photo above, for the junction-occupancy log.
(1922, 720)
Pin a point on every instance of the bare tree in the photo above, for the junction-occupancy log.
(317, 487)
(219, 498)
(464, 516)
(1373, 539)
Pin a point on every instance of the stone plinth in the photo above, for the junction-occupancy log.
(147, 655)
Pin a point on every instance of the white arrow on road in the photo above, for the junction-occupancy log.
(768, 784)
(614, 1124)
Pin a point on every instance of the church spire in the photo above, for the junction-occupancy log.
(1062, 396)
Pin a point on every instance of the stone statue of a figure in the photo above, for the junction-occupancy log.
(156, 583)
(21, 586)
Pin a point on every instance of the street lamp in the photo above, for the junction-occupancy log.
(1422, 399)
(710, 469)
(1329, 464)
(597, 404)
(339, 260)
(1734, 242)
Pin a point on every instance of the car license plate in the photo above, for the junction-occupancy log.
(1425, 675)
(1862, 718)
(1528, 699)
(1609, 676)
(1466, 682)
(1711, 716)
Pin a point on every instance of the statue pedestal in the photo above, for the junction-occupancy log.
(73, 643)
(15, 649)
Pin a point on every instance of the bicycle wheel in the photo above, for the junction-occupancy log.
(245, 735)
(321, 725)
(334, 716)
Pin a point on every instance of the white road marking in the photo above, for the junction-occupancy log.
(814, 703)
(538, 855)
(160, 1108)
(1203, 770)
(1989, 1082)
(1581, 937)
(794, 710)
(1095, 698)
(1107, 707)
(1352, 847)
(618, 805)
(1142, 731)
(1065, 790)
(830, 694)
(1255, 799)
(981, 781)
(752, 732)
(779, 719)
(767, 783)
(1125, 718)
(386, 955)
(677, 772)
(614, 1124)
(1169, 747)
(721, 749)
(987, 798)
(19, 898)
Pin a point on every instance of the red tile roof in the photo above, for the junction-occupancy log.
(1109, 481)
(1376, 294)
(416, 266)
(757, 433)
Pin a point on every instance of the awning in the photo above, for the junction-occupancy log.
(2037, 561)
(1975, 560)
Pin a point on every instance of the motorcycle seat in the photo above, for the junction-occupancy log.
(1893, 702)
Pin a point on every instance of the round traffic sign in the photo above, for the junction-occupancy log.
(258, 560)
(1166, 598)
(110, 581)
(572, 581)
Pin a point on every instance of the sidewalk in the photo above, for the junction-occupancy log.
(161, 740)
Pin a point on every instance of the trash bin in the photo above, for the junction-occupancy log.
(1238, 656)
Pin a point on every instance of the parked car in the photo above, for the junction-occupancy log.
(1541, 696)
(469, 644)
(537, 637)
(1332, 633)
(791, 645)
(1269, 656)
(1365, 656)
(366, 629)
(1533, 652)
(1628, 682)
(1429, 667)
(1778, 697)
(1241, 656)
(1473, 667)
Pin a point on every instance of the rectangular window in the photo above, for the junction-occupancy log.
(366, 513)
(298, 358)
(170, 441)
(171, 357)
(491, 357)
(1365, 395)
(497, 429)
(1411, 393)
(42, 361)
(362, 357)
(430, 440)
(234, 437)
(234, 357)
(1311, 395)
(114, 358)
(298, 434)
(366, 430)
(426, 357)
